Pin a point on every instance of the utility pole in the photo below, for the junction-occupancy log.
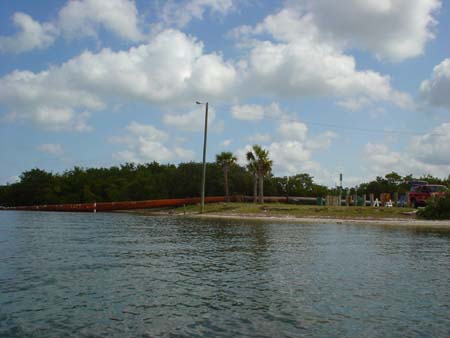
(202, 202)
(340, 189)
(287, 189)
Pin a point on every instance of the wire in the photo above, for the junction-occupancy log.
(336, 126)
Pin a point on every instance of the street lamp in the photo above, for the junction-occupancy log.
(202, 208)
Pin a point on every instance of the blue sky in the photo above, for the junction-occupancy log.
(356, 86)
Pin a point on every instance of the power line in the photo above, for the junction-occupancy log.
(370, 130)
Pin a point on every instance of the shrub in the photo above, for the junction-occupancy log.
(437, 208)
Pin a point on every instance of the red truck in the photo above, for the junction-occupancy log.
(420, 193)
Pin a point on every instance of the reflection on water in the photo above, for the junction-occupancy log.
(120, 275)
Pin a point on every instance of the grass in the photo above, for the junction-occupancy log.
(292, 210)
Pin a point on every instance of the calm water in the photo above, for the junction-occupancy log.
(99, 275)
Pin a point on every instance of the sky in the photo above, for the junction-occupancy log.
(359, 87)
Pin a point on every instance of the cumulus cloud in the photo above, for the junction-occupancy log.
(293, 130)
(82, 18)
(259, 138)
(250, 112)
(194, 120)
(434, 147)
(47, 100)
(293, 152)
(172, 68)
(392, 30)
(255, 112)
(164, 71)
(436, 89)
(32, 35)
(381, 157)
(291, 157)
(321, 141)
(85, 18)
(180, 13)
(50, 148)
(147, 131)
(426, 154)
(292, 148)
(78, 18)
(146, 143)
(300, 62)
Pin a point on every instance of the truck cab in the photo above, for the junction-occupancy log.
(419, 194)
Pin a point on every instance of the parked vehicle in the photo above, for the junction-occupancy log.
(420, 193)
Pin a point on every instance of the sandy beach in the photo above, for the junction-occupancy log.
(400, 222)
(441, 224)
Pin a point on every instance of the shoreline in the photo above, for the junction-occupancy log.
(401, 222)
(441, 224)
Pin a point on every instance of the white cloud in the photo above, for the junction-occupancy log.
(147, 131)
(291, 157)
(300, 62)
(433, 148)
(292, 151)
(127, 156)
(250, 112)
(164, 71)
(184, 154)
(180, 13)
(32, 35)
(147, 150)
(145, 143)
(426, 154)
(294, 157)
(321, 141)
(47, 99)
(256, 112)
(381, 157)
(291, 147)
(226, 143)
(393, 30)
(436, 90)
(293, 130)
(82, 18)
(50, 148)
(12, 180)
(259, 138)
(355, 104)
(78, 18)
(194, 121)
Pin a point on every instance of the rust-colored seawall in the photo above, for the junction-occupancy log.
(126, 205)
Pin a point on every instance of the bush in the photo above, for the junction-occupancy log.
(437, 208)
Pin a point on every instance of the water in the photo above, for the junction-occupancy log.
(119, 275)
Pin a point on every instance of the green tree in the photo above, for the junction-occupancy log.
(260, 163)
(36, 186)
(226, 160)
(253, 170)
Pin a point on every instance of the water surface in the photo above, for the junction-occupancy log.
(119, 275)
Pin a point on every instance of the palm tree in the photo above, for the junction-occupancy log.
(259, 161)
(226, 159)
(253, 169)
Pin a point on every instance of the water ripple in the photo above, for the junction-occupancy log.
(115, 275)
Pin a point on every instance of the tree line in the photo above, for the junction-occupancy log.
(133, 182)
